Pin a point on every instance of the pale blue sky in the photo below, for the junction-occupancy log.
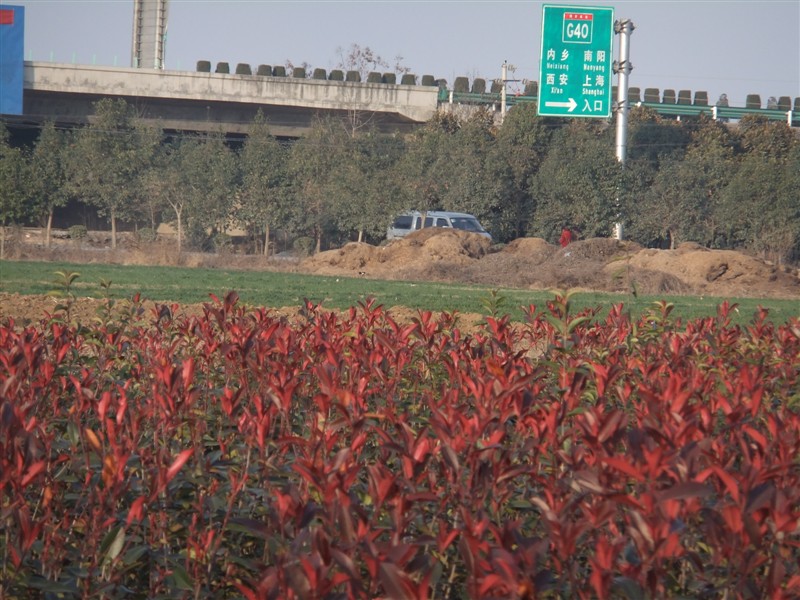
(719, 46)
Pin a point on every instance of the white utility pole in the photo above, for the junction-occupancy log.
(503, 77)
(623, 27)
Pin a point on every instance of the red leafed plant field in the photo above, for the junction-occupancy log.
(236, 453)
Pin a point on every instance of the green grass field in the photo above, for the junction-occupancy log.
(191, 285)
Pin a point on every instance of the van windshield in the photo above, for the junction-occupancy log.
(467, 224)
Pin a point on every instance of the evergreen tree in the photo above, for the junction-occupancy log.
(48, 164)
(522, 144)
(365, 185)
(422, 171)
(262, 199)
(208, 179)
(761, 204)
(14, 186)
(110, 155)
(578, 183)
(474, 181)
(314, 164)
(683, 203)
(164, 187)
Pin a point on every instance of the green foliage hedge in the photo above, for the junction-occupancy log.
(701, 98)
(461, 85)
(304, 246)
(652, 95)
(78, 232)
(146, 235)
(532, 88)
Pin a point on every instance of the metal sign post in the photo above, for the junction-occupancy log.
(576, 61)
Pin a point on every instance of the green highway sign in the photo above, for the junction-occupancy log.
(576, 65)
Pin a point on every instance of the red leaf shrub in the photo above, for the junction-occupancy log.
(238, 454)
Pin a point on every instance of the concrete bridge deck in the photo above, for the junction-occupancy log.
(198, 101)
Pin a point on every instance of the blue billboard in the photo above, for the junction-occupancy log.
(12, 36)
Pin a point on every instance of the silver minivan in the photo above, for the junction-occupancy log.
(414, 220)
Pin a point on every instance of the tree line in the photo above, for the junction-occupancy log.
(691, 180)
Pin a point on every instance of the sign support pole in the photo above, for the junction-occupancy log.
(624, 27)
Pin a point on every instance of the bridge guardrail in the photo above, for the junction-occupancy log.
(790, 117)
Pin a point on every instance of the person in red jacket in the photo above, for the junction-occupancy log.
(566, 237)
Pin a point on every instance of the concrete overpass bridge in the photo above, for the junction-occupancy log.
(213, 102)
(203, 101)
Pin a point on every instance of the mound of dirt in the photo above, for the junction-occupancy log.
(718, 272)
(351, 258)
(599, 264)
(425, 254)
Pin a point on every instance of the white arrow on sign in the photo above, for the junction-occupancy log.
(571, 105)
